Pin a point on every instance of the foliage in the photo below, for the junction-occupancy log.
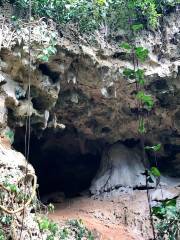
(145, 99)
(81, 230)
(168, 215)
(138, 75)
(2, 235)
(46, 224)
(129, 73)
(47, 53)
(10, 135)
(6, 219)
(141, 53)
(64, 233)
(76, 226)
(50, 50)
(51, 207)
(154, 171)
(113, 14)
(13, 188)
(154, 148)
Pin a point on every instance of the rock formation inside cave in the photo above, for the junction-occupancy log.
(67, 162)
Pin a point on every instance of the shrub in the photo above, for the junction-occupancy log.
(113, 14)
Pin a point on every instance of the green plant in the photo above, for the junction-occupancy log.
(2, 235)
(154, 148)
(144, 100)
(50, 237)
(51, 207)
(81, 230)
(168, 216)
(6, 219)
(46, 224)
(113, 14)
(11, 187)
(64, 234)
(50, 50)
(10, 135)
(141, 53)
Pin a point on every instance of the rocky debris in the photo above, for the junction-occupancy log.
(162, 194)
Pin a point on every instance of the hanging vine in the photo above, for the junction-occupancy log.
(167, 212)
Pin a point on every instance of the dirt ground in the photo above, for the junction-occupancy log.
(110, 220)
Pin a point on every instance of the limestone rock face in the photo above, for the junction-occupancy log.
(165, 194)
(122, 170)
(120, 167)
(82, 87)
(13, 169)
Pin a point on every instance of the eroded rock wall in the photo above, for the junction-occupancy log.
(82, 85)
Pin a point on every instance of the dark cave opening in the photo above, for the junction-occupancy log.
(64, 162)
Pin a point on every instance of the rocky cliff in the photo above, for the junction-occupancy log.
(81, 104)
(82, 86)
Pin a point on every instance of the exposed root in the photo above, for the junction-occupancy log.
(20, 209)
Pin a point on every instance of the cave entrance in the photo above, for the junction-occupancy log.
(64, 162)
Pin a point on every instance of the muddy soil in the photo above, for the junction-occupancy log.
(126, 218)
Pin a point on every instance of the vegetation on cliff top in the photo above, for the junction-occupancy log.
(101, 14)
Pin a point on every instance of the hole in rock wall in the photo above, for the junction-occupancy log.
(54, 76)
(64, 162)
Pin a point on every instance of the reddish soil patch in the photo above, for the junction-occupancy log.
(94, 214)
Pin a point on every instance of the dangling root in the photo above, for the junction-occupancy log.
(29, 200)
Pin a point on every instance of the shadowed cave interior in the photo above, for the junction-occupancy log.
(64, 162)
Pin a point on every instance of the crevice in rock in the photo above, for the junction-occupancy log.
(54, 76)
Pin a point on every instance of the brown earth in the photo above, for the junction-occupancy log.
(97, 216)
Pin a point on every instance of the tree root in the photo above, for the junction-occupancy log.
(4, 209)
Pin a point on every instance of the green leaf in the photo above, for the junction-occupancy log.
(145, 99)
(171, 202)
(140, 76)
(137, 27)
(171, 211)
(44, 224)
(43, 58)
(10, 135)
(141, 53)
(53, 227)
(154, 148)
(12, 187)
(155, 172)
(51, 50)
(159, 211)
(126, 46)
(101, 2)
(129, 73)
